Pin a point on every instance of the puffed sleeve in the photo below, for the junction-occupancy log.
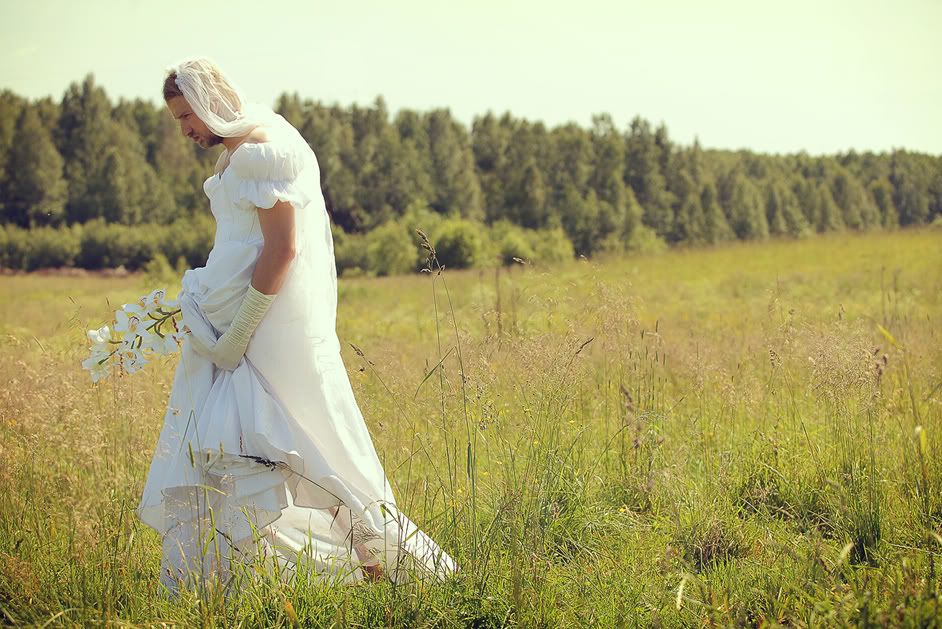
(267, 172)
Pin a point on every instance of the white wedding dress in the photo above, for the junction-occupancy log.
(274, 456)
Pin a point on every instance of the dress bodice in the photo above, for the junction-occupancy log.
(283, 168)
(232, 224)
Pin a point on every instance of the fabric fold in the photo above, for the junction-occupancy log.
(273, 456)
(230, 446)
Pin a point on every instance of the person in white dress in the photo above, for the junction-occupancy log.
(263, 447)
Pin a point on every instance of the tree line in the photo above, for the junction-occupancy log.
(88, 183)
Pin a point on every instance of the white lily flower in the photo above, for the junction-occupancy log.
(132, 359)
(155, 299)
(131, 310)
(100, 339)
(98, 364)
(169, 344)
(132, 326)
(128, 343)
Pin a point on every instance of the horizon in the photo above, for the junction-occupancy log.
(849, 77)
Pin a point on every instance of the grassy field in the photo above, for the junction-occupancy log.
(746, 435)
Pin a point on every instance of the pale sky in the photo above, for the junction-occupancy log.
(816, 75)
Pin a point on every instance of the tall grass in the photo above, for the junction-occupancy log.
(743, 435)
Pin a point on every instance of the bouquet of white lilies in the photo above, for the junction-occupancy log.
(139, 331)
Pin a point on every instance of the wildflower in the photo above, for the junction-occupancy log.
(100, 340)
(98, 364)
(138, 331)
(132, 326)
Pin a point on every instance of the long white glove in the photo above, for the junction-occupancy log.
(230, 347)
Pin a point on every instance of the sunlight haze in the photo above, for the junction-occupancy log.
(821, 77)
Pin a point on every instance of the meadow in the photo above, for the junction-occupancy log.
(745, 435)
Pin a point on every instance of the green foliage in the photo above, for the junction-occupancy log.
(98, 244)
(882, 192)
(827, 213)
(784, 216)
(35, 192)
(644, 157)
(512, 242)
(461, 244)
(455, 185)
(551, 246)
(350, 253)
(610, 189)
(644, 240)
(702, 438)
(110, 245)
(389, 250)
(159, 272)
(189, 238)
(41, 247)
(747, 210)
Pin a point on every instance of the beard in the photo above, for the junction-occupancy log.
(210, 140)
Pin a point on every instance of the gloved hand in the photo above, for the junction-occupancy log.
(230, 347)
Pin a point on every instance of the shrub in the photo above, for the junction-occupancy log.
(51, 247)
(644, 240)
(551, 246)
(15, 252)
(31, 249)
(349, 252)
(159, 272)
(191, 238)
(108, 245)
(389, 250)
(420, 216)
(461, 244)
(511, 242)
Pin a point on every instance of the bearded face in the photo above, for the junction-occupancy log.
(190, 124)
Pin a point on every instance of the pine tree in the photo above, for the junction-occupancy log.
(828, 213)
(774, 213)
(35, 193)
(882, 192)
(841, 193)
(747, 210)
(456, 187)
(141, 117)
(490, 139)
(528, 199)
(572, 157)
(607, 175)
(148, 198)
(782, 212)
(289, 106)
(795, 221)
(643, 173)
(578, 216)
(11, 106)
(48, 112)
(633, 215)
(910, 188)
(689, 221)
(329, 132)
(715, 226)
(82, 139)
(114, 194)
(806, 192)
(177, 166)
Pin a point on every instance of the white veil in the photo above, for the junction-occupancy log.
(216, 100)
